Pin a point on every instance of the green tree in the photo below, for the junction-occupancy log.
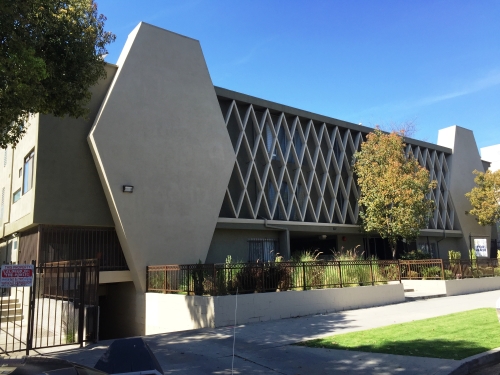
(485, 197)
(50, 55)
(394, 188)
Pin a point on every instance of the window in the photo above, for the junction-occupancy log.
(282, 141)
(16, 196)
(297, 143)
(28, 172)
(336, 150)
(262, 249)
(5, 157)
(279, 214)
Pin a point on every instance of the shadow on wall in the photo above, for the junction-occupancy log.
(119, 311)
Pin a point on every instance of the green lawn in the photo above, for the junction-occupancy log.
(454, 336)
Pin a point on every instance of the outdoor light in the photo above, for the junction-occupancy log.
(128, 189)
(322, 237)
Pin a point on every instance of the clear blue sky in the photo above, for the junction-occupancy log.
(369, 62)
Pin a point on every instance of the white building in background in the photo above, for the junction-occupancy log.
(492, 154)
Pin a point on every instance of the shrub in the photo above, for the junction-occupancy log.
(454, 255)
(433, 272)
(448, 275)
(306, 256)
(415, 255)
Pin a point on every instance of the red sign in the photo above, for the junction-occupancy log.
(16, 275)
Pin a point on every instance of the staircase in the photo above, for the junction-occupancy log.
(10, 310)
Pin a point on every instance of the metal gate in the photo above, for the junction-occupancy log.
(61, 308)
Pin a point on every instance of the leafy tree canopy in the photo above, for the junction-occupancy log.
(50, 54)
(485, 197)
(393, 187)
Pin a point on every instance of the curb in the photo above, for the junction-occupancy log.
(419, 298)
(475, 362)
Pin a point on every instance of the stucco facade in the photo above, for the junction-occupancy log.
(212, 173)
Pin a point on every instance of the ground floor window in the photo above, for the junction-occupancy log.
(262, 249)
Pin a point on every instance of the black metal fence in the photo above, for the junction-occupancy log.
(462, 269)
(231, 278)
(61, 308)
(223, 279)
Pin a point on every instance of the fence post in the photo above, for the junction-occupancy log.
(442, 269)
(371, 271)
(399, 270)
(165, 281)
(214, 281)
(263, 287)
(340, 273)
(304, 275)
(31, 311)
(81, 307)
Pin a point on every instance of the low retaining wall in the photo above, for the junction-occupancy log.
(426, 286)
(173, 312)
(453, 287)
(467, 286)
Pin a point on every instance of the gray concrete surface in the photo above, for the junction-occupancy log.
(264, 348)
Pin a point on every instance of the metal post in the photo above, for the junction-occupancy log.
(304, 275)
(214, 287)
(81, 307)
(263, 287)
(31, 312)
(340, 273)
(371, 272)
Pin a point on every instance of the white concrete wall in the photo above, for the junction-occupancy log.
(466, 286)
(170, 312)
(453, 287)
(174, 312)
(429, 286)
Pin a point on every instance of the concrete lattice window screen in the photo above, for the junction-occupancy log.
(297, 169)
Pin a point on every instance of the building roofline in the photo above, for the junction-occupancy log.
(220, 91)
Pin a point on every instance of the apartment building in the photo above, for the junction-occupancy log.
(168, 169)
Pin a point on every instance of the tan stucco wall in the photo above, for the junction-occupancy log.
(20, 214)
(68, 188)
(160, 129)
(464, 160)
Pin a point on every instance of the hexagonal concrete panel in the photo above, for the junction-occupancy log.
(160, 130)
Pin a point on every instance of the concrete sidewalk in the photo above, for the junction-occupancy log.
(264, 348)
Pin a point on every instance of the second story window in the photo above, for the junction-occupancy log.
(28, 172)
(16, 196)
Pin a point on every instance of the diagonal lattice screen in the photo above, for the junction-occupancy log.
(293, 168)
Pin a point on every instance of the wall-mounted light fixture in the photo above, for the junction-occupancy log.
(128, 189)
(322, 237)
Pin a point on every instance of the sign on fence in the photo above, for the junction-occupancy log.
(16, 275)
(481, 247)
